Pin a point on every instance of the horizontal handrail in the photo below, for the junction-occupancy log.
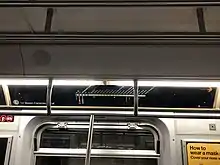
(107, 3)
(107, 108)
(97, 152)
(158, 114)
(103, 39)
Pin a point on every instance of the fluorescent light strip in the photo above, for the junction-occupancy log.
(71, 82)
(46, 81)
(121, 83)
(180, 83)
(24, 81)
(77, 82)
(163, 83)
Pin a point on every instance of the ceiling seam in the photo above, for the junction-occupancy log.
(22, 60)
(201, 20)
(49, 19)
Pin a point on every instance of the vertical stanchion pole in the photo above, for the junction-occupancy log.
(89, 141)
(49, 95)
(135, 98)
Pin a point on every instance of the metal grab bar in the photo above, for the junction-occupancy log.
(107, 3)
(135, 98)
(49, 95)
(89, 141)
(125, 39)
(158, 114)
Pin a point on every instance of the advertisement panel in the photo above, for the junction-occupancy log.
(203, 153)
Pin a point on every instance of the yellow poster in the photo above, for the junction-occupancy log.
(203, 153)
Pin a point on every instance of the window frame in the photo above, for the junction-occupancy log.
(105, 153)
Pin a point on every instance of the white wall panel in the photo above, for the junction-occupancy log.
(13, 126)
(197, 126)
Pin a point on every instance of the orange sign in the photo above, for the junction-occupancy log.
(203, 153)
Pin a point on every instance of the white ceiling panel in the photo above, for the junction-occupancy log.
(22, 19)
(125, 19)
(212, 19)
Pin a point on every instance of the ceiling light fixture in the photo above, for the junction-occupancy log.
(77, 82)
(179, 83)
(24, 81)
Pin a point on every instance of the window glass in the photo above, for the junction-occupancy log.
(94, 161)
(122, 139)
(28, 95)
(3, 146)
(58, 138)
(2, 98)
(110, 95)
(101, 95)
(177, 97)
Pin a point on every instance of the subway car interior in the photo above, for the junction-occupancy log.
(109, 82)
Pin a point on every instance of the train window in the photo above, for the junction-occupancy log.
(59, 138)
(5, 145)
(112, 144)
(67, 95)
(123, 139)
(2, 98)
(94, 161)
(104, 137)
(171, 97)
(123, 96)
(100, 95)
(28, 95)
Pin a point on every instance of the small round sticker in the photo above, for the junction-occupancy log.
(16, 102)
